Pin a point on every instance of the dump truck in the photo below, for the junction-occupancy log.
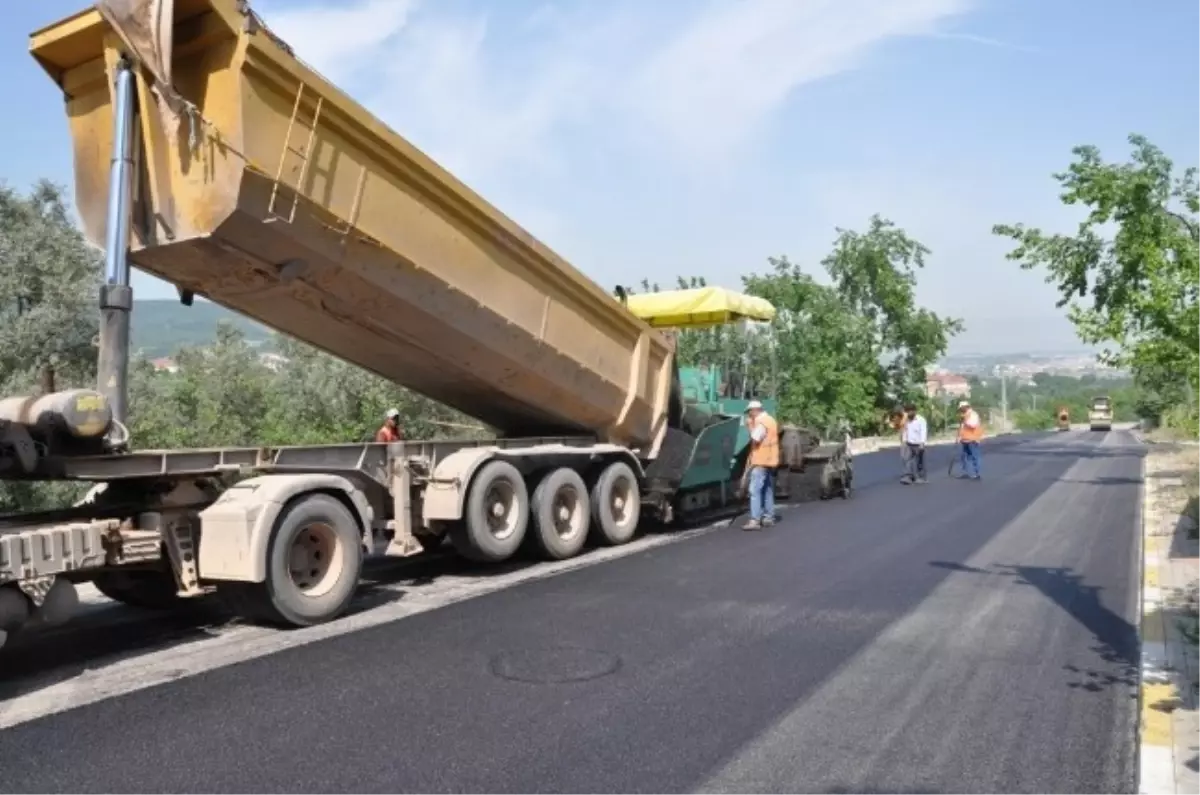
(1100, 414)
(207, 154)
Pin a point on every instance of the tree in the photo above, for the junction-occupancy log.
(1137, 289)
(318, 398)
(823, 354)
(219, 397)
(875, 275)
(49, 282)
(837, 353)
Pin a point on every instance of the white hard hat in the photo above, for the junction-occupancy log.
(392, 414)
(753, 404)
(962, 404)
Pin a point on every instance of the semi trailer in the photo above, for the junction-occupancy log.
(207, 154)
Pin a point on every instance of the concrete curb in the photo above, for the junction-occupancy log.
(873, 444)
(1167, 702)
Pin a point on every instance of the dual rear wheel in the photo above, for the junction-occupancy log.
(315, 555)
(500, 515)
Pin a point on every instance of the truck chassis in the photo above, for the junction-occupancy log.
(281, 533)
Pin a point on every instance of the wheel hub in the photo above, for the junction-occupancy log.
(314, 561)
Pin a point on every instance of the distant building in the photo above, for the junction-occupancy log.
(942, 383)
(164, 365)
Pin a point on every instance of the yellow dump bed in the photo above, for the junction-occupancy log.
(266, 189)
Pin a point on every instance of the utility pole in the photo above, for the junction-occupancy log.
(1004, 399)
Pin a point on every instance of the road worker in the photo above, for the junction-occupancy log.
(764, 460)
(970, 432)
(391, 430)
(916, 435)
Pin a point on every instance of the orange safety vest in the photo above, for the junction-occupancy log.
(766, 452)
(387, 434)
(967, 433)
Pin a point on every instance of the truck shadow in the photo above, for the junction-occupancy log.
(39, 658)
(108, 633)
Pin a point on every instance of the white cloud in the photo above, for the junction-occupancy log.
(338, 39)
(697, 84)
(721, 77)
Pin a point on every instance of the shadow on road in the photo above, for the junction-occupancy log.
(1104, 480)
(1116, 639)
(109, 633)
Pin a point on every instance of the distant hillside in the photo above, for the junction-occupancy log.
(161, 327)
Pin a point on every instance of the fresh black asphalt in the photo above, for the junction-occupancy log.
(950, 637)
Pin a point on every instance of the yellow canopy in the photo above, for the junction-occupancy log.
(698, 308)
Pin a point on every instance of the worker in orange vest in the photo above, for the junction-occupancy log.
(970, 432)
(764, 460)
(391, 430)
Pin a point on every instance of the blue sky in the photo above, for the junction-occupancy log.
(650, 139)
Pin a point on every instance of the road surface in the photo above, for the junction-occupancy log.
(951, 637)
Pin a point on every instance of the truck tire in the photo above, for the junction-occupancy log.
(616, 505)
(496, 515)
(314, 560)
(561, 515)
(147, 590)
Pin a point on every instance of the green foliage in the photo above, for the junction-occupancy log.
(228, 395)
(874, 274)
(49, 280)
(1141, 285)
(844, 352)
(826, 369)
(1030, 420)
(1035, 407)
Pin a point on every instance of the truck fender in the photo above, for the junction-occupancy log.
(447, 489)
(446, 492)
(236, 529)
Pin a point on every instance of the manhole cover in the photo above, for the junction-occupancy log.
(554, 665)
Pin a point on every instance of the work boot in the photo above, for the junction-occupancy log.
(922, 479)
(768, 521)
(753, 524)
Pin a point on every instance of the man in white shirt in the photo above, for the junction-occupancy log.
(916, 434)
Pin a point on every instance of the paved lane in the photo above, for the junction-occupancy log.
(953, 637)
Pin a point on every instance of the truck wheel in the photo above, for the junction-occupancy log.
(561, 514)
(314, 559)
(148, 590)
(496, 515)
(616, 505)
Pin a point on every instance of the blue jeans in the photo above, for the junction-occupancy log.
(969, 456)
(762, 493)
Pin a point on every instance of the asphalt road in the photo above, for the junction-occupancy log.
(951, 637)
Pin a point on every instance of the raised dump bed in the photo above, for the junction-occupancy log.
(266, 189)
